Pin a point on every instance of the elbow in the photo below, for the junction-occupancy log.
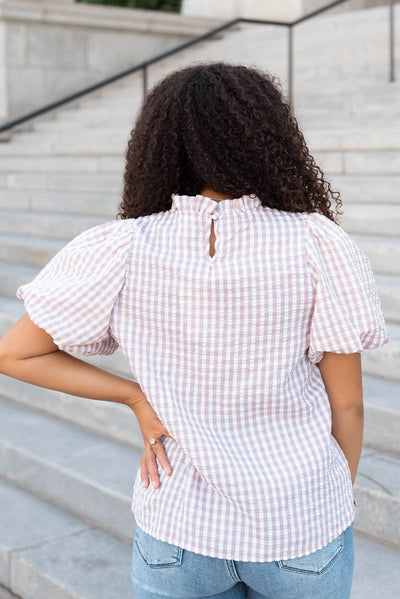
(3, 363)
(355, 408)
(5, 359)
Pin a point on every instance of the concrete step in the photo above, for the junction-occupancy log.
(78, 181)
(104, 419)
(64, 202)
(344, 118)
(91, 114)
(371, 219)
(50, 226)
(60, 164)
(46, 553)
(355, 162)
(72, 133)
(367, 189)
(383, 252)
(14, 275)
(353, 97)
(86, 141)
(375, 568)
(377, 492)
(30, 251)
(382, 414)
(389, 294)
(85, 475)
(384, 362)
(353, 138)
(92, 478)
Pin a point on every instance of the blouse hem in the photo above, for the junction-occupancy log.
(233, 556)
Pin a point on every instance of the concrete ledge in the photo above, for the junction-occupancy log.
(107, 420)
(383, 252)
(51, 226)
(375, 568)
(87, 476)
(107, 17)
(45, 553)
(377, 492)
(384, 362)
(22, 527)
(382, 414)
(64, 202)
(371, 219)
(6, 594)
(90, 564)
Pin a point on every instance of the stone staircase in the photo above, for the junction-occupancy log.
(68, 464)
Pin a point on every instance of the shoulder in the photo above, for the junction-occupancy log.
(319, 225)
(116, 234)
(326, 234)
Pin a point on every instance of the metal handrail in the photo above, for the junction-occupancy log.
(199, 38)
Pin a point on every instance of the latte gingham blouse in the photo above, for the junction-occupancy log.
(226, 349)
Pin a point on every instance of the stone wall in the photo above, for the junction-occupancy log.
(229, 9)
(50, 49)
(309, 5)
(267, 9)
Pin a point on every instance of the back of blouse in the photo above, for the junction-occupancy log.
(226, 349)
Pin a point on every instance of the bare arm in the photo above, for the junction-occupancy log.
(342, 377)
(29, 354)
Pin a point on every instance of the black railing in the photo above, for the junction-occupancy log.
(143, 66)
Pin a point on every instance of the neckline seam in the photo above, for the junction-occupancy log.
(206, 205)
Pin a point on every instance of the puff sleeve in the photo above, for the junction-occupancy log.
(347, 316)
(73, 296)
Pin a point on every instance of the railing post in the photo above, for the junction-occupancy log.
(144, 71)
(391, 41)
(290, 64)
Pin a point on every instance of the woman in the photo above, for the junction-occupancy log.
(242, 308)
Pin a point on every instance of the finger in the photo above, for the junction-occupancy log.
(170, 436)
(152, 468)
(159, 450)
(144, 473)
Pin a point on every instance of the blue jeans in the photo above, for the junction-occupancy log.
(160, 569)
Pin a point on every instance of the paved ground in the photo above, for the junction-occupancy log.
(376, 571)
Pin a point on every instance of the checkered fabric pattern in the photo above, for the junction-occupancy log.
(226, 350)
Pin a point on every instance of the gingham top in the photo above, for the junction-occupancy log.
(226, 350)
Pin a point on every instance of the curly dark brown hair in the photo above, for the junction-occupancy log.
(226, 127)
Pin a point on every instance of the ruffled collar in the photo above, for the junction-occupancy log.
(206, 205)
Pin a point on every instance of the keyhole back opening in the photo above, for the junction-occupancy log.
(212, 240)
